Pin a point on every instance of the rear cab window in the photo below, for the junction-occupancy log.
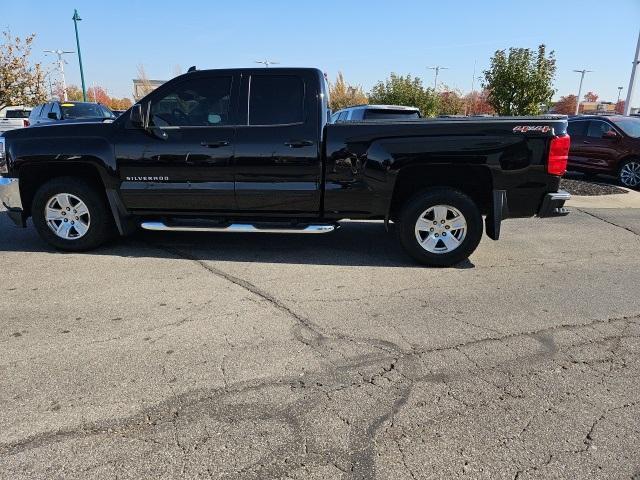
(276, 100)
(18, 113)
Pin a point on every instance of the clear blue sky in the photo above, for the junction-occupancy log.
(366, 39)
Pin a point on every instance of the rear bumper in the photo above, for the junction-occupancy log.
(553, 204)
(10, 199)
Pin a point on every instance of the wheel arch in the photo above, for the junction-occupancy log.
(33, 175)
(474, 181)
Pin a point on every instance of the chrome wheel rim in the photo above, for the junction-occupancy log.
(441, 229)
(67, 216)
(630, 174)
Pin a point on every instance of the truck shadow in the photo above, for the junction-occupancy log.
(354, 244)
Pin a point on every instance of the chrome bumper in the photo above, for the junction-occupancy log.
(10, 199)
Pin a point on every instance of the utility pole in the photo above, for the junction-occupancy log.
(60, 63)
(582, 73)
(76, 18)
(266, 63)
(632, 80)
(437, 69)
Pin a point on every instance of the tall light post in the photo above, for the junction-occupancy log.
(619, 92)
(632, 80)
(266, 63)
(76, 18)
(437, 69)
(60, 63)
(582, 73)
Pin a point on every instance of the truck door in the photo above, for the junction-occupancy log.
(187, 164)
(277, 154)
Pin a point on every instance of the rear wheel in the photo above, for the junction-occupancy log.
(70, 214)
(440, 227)
(629, 173)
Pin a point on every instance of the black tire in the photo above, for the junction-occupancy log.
(632, 161)
(422, 202)
(101, 226)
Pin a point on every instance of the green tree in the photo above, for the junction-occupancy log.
(405, 90)
(342, 95)
(20, 82)
(520, 81)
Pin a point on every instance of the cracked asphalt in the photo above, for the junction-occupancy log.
(324, 357)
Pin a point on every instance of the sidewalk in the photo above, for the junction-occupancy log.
(631, 199)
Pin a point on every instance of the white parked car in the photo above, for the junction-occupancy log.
(14, 117)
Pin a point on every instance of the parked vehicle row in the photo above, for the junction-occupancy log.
(14, 117)
(251, 150)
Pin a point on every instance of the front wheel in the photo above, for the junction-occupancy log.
(629, 173)
(440, 227)
(71, 215)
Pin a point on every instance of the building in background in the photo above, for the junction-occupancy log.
(142, 87)
(590, 108)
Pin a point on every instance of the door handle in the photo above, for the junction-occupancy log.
(221, 143)
(586, 142)
(298, 143)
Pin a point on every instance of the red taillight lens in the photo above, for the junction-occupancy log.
(25, 122)
(558, 155)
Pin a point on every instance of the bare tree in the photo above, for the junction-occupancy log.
(144, 86)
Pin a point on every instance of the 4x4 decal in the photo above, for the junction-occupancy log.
(531, 128)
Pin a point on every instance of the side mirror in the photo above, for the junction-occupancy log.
(52, 115)
(611, 134)
(135, 116)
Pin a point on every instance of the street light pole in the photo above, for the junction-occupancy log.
(632, 80)
(619, 92)
(582, 73)
(60, 64)
(76, 18)
(437, 69)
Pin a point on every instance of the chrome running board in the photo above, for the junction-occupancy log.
(237, 228)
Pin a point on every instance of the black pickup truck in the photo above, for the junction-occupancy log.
(250, 150)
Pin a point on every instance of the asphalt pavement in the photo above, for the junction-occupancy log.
(233, 356)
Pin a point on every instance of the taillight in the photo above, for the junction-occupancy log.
(558, 155)
(25, 122)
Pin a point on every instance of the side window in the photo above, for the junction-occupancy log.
(598, 128)
(201, 102)
(46, 109)
(56, 109)
(35, 113)
(577, 129)
(275, 100)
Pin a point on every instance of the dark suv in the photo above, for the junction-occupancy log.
(606, 144)
(55, 112)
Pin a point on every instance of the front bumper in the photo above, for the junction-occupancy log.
(553, 204)
(10, 199)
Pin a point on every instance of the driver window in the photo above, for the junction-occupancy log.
(201, 102)
(597, 129)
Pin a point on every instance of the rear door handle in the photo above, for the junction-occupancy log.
(586, 142)
(298, 143)
(221, 143)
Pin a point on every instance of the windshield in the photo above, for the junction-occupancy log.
(84, 110)
(384, 114)
(630, 126)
